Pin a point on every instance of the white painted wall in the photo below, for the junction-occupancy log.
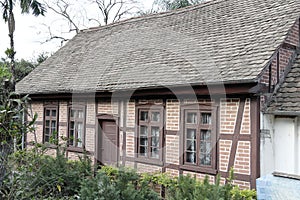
(280, 149)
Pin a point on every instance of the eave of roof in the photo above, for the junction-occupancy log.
(225, 41)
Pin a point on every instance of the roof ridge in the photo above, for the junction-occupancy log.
(155, 15)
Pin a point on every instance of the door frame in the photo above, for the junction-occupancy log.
(103, 117)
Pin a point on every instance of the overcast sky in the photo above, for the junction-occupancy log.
(32, 32)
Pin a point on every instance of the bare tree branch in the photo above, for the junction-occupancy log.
(62, 10)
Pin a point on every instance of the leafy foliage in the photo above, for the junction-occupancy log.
(122, 184)
(36, 175)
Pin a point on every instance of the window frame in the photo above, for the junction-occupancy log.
(75, 147)
(50, 107)
(149, 124)
(198, 109)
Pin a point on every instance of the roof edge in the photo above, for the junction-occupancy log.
(154, 15)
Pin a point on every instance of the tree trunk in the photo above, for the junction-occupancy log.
(11, 52)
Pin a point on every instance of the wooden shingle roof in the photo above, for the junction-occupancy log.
(287, 98)
(221, 41)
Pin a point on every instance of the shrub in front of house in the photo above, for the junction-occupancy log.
(34, 175)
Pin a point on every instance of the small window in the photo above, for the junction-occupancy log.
(50, 125)
(199, 136)
(149, 132)
(76, 127)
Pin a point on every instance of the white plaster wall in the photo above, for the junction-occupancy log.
(280, 151)
(267, 145)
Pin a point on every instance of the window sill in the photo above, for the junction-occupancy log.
(143, 160)
(198, 169)
(76, 149)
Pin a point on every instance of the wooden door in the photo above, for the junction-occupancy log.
(108, 143)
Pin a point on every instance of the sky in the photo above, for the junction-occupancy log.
(31, 33)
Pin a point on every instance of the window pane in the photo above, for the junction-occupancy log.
(154, 153)
(72, 125)
(143, 130)
(47, 123)
(191, 118)
(47, 131)
(79, 134)
(191, 134)
(205, 159)
(73, 113)
(53, 124)
(53, 113)
(190, 157)
(47, 113)
(155, 131)
(46, 138)
(71, 137)
(155, 116)
(143, 150)
(206, 118)
(155, 141)
(205, 135)
(144, 116)
(205, 153)
(143, 141)
(191, 145)
(80, 114)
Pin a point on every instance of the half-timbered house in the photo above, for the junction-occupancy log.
(179, 92)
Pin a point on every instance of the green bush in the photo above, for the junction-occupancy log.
(34, 175)
(121, 184)
(189, 188)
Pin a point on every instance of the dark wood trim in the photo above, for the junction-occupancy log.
(79, 150)
(164, 139)
(237, 87)
(171, 166)
(148, 123)
(255, 140)
(145, 161)
(118, 135)
(237, 176)
(127, 129)
(242, 137)
(236, 135)
(124, 102)
(270, 77)
(199, 108)
(288, 46)
(96, 157)
(105, 116)
(171, 132)
(50, 106)
(76, 105)
(278, 66)
(197, 169)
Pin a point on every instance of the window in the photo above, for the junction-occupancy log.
(199, 136)
(76, 126)
(50, 124)
(150, 125)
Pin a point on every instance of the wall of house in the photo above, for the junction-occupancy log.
(62, 105)
(242, 150)
(280, 140)
(234, 145)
